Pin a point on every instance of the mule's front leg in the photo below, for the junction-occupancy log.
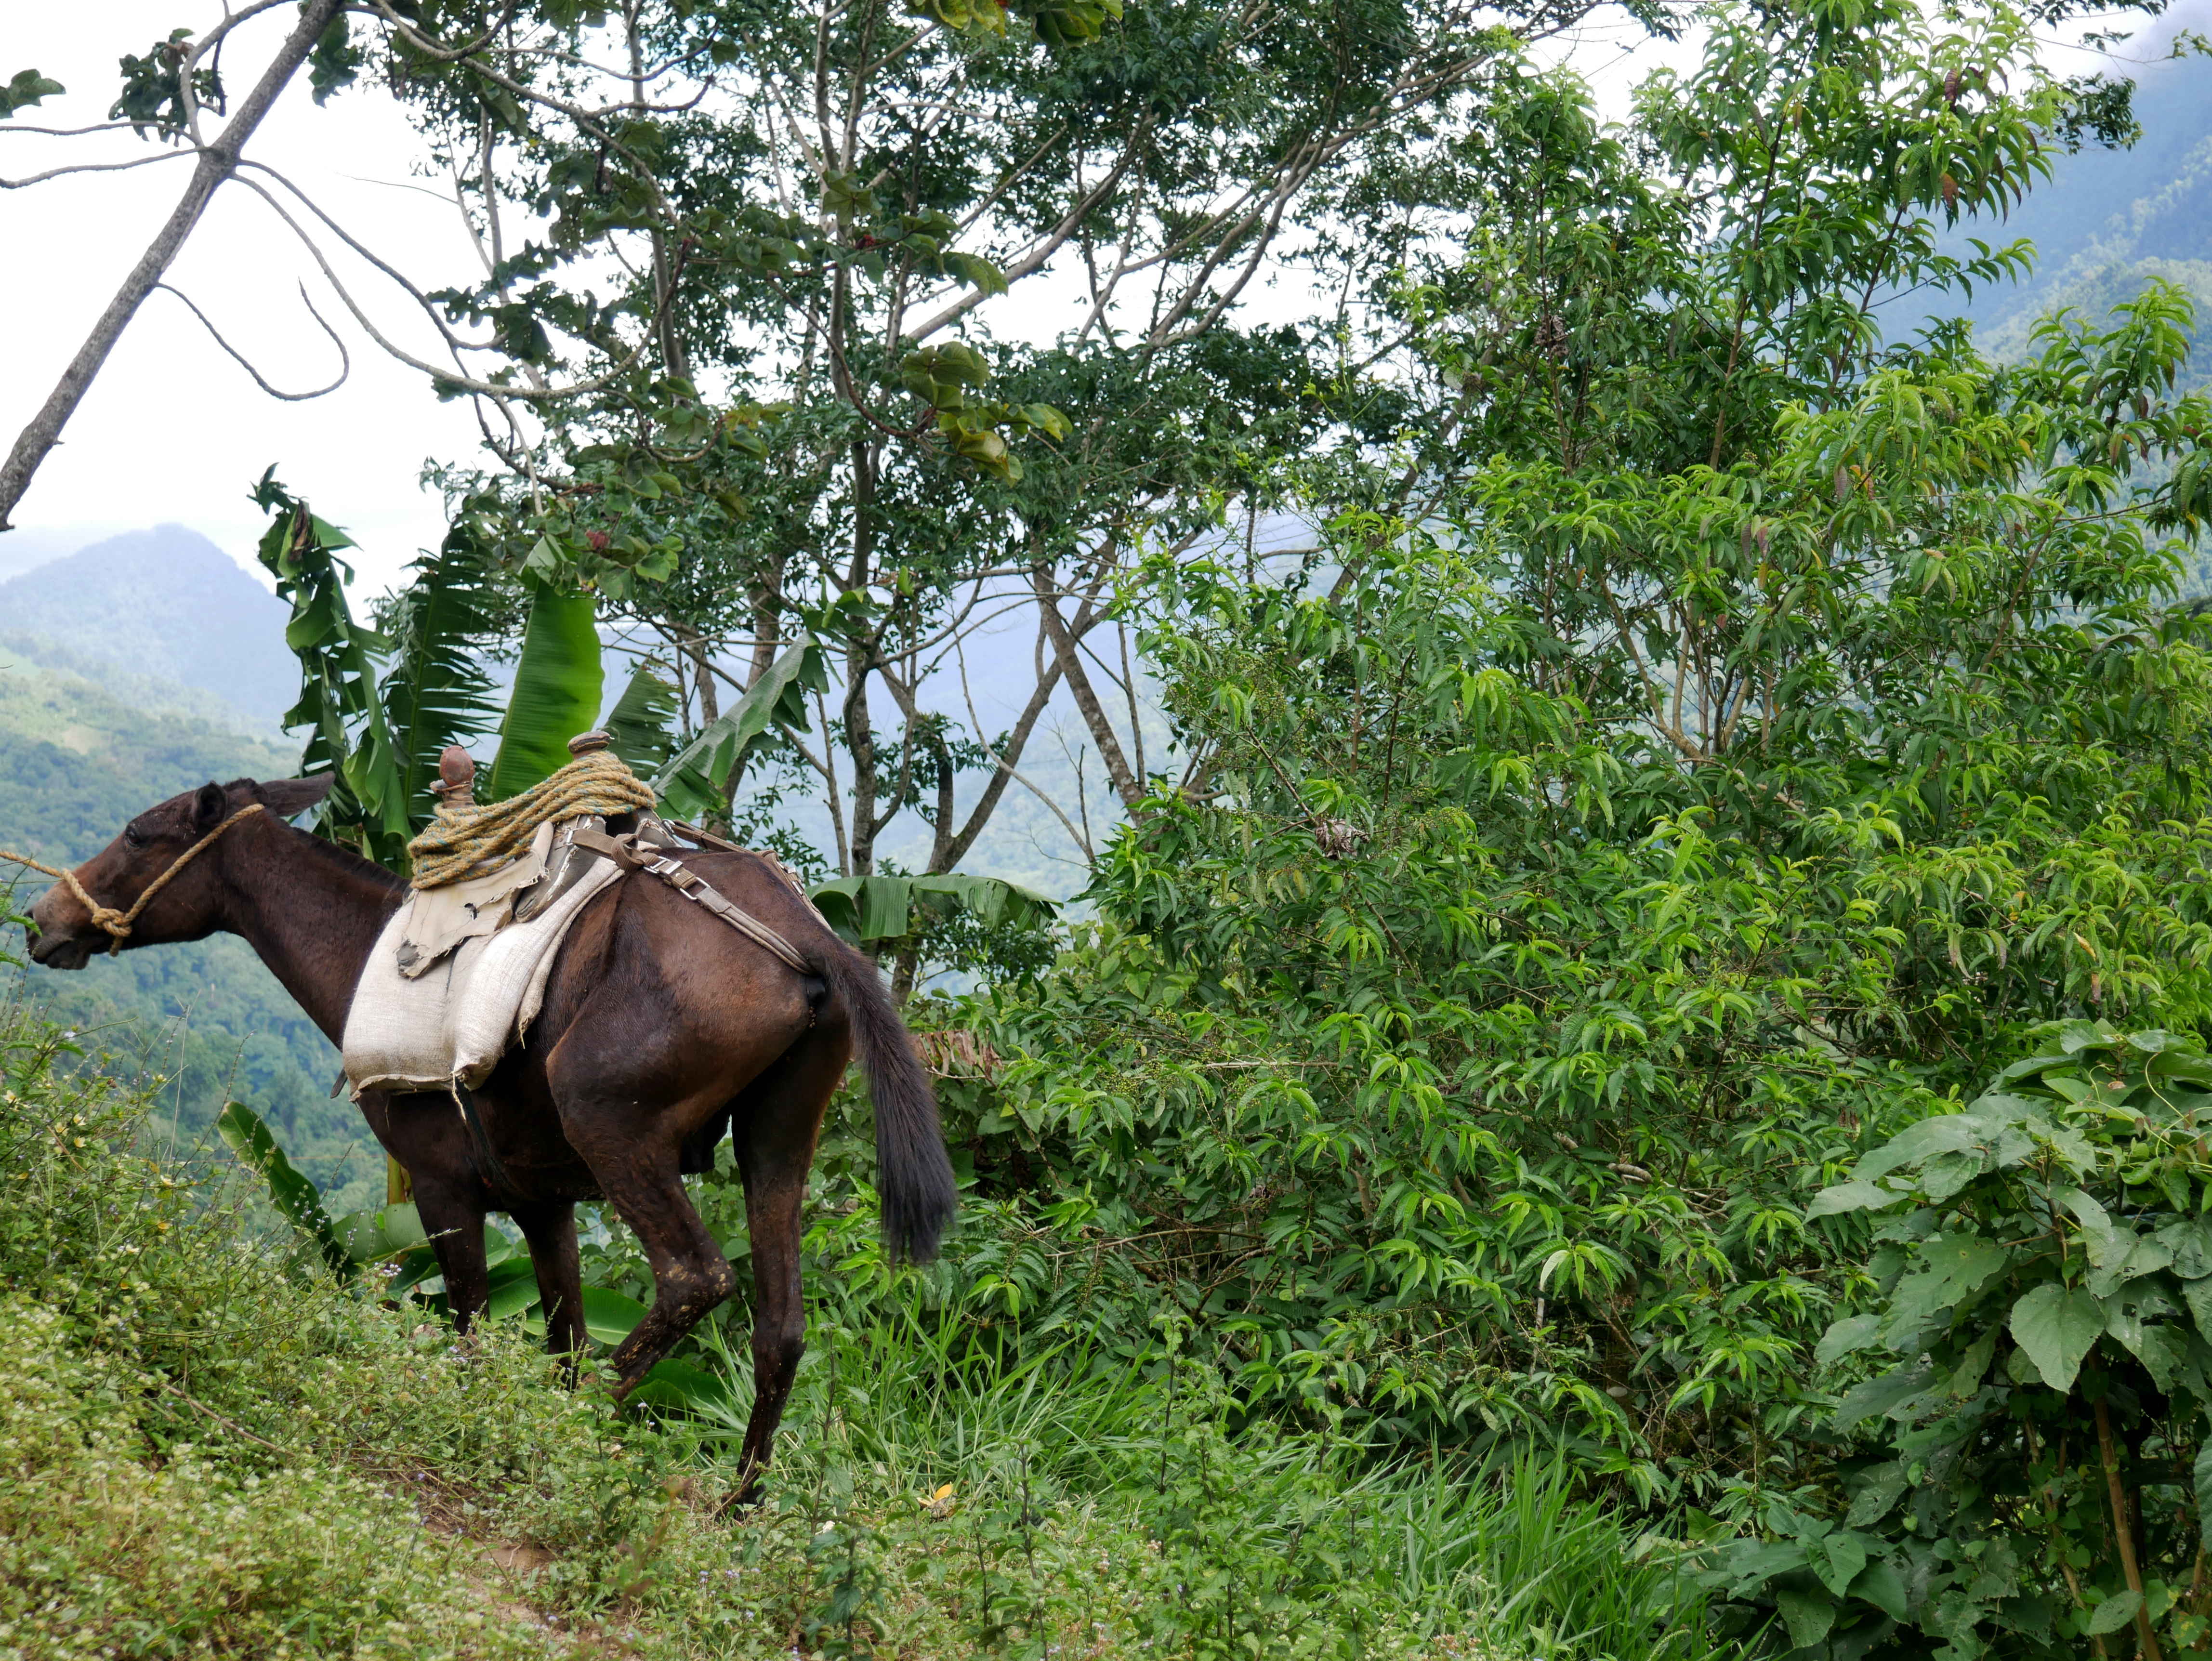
(422, 1132)
(454, 1220)
(551, 1232)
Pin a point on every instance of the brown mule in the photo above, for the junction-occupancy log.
(662, 1031)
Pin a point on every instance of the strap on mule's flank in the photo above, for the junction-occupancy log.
(689, 883)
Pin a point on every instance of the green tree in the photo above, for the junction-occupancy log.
(1572, 878)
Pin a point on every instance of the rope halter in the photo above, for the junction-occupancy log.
(118, 924)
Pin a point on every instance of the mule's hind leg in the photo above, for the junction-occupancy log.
(776, 1124)
(550, 1233)
(639, 1175)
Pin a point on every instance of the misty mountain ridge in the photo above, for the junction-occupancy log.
(2107, 222)
(165, 604)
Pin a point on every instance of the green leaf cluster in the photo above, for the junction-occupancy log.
(153, 95)
(2023, 1463)
(349, 735)
(24, 89)
(697, 782)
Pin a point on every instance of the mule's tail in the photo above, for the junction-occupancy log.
(914, 1178)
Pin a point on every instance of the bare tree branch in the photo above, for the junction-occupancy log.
(345, 358)
(456, 376)
(1126, 782)
(91, 166)
(218, 162)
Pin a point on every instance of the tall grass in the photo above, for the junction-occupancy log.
(1516, 1560)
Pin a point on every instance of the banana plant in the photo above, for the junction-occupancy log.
(348, 734)
(698, 781)
(382, 738)
(558, 684)
(642, 720)
(880, 907)
(434, 693)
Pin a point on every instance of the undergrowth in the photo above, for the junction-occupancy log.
(207, 1446)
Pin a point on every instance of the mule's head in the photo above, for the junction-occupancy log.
(63, 934)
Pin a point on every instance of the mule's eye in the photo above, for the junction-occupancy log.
(131, 838)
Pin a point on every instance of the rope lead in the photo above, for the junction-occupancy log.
(118, 924)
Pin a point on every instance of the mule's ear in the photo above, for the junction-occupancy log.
(290, 798)
(209, 803)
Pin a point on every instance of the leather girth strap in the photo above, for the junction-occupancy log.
(495, 1176)
(692, 886)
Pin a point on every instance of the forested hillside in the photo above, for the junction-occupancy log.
(164, 603)
(77, 759)
(2109, 221)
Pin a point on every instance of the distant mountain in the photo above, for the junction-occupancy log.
(22, 549)
(165, 603)
(2109, 221)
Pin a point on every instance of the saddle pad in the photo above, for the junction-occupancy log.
(454, 1024)
(440, 919)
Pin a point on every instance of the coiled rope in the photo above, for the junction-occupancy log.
(469, 840)
(119, 923)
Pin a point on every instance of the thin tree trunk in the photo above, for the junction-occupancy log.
(217, 163)
(1127, 785)
(2116, 1492)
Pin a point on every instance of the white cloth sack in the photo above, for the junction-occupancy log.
(454, 1023)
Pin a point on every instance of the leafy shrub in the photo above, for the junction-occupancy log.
(2027, 1471)
(1464, 1040)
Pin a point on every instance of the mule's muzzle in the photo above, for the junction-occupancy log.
(58, 941)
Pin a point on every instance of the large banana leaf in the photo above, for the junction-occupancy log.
(697, 782)
(434, 693)
(641, 720)
(882, 908)
(291, 1193)
(558, 684)
(338, 705)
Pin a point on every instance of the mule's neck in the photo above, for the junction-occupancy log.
(310, 910)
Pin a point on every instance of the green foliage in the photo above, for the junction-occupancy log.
(558, 684)
(639, 724)
(105, 1552)
(347, 733)
(1470, 1056)
(698, 781)
(869, 909)
(153, 95)
(435, 692)
(291, 1193)
(2031, 1365)
(26, 89)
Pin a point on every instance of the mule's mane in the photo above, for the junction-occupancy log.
(344, 858)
